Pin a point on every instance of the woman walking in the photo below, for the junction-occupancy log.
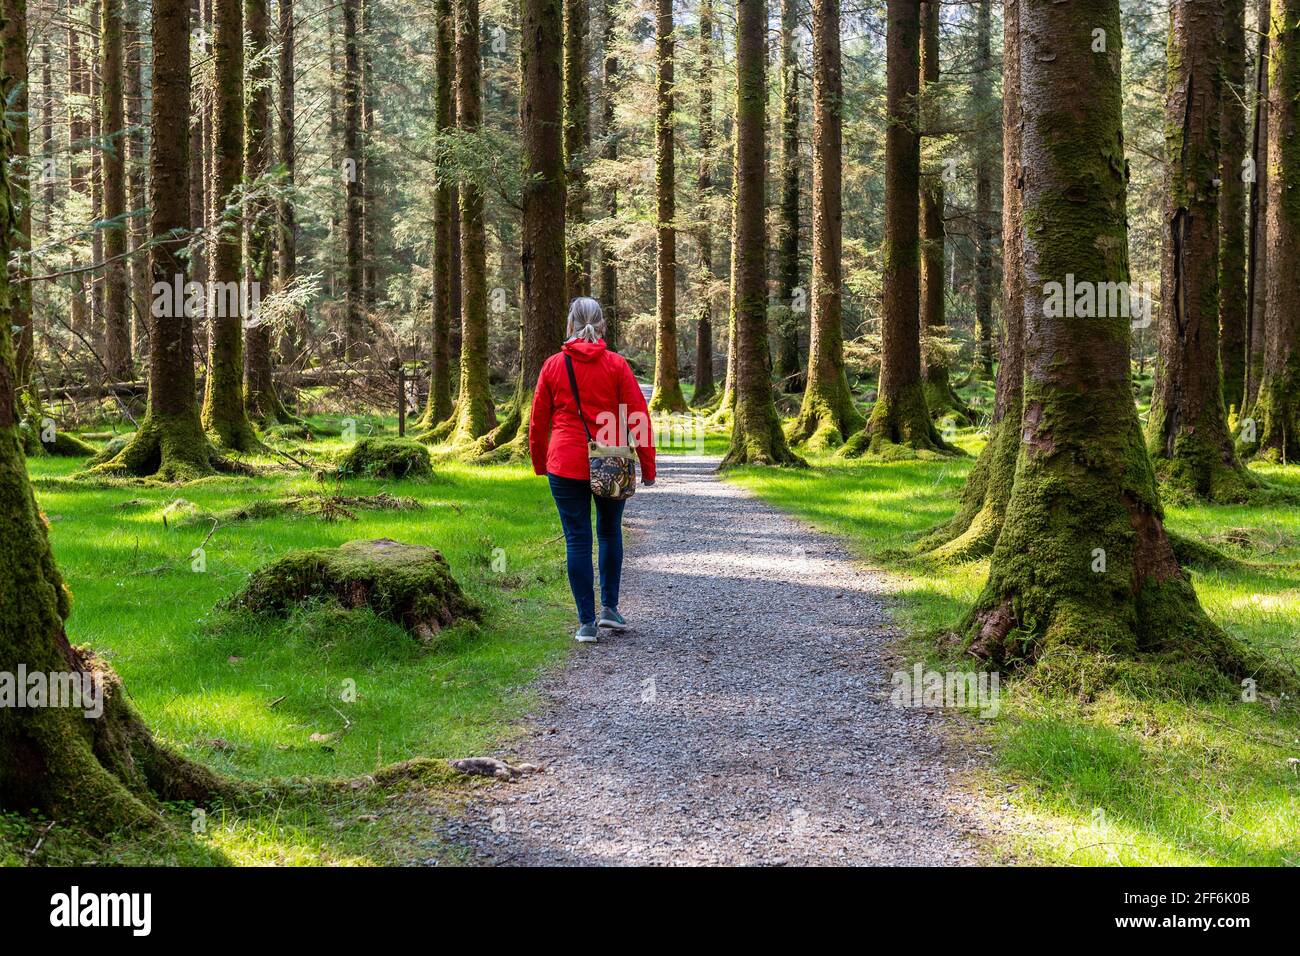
(589, 406)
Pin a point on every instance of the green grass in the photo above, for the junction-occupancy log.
(245, 694)
(1122, 778)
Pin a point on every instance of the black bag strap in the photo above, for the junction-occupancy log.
(573, 384)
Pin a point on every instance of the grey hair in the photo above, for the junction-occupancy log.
(586, 320)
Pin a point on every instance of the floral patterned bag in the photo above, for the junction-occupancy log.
(613, 467)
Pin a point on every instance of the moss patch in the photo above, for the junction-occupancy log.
(386, 458)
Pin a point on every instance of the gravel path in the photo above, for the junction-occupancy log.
(744, 718)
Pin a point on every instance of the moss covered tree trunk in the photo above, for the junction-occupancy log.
(543, 255)
(117, 313)
(667, 396)
(476, 414)
(974, 529)
(1187, 432)
(439, 407)
(1232, 208)
(105, 772)
(577, 137)
(828, 412)
(788, 320)
(1277, 409)
(939, 394)
(1257, 239)
(224, 415)
(756, 435)
(1083, 565)
(899, 424)
(170, 442)
(705, 389)
(985, 144)
(263, 401)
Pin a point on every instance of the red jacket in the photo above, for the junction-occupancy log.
(556, 439)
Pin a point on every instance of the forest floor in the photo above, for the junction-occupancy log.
(744, 717)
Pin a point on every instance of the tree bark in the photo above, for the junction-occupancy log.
(756, 435)
(354, 344)
(1232, 209)
(224, 415)
(15, 89)
(667, 395)
(982, 94)
(1257, 242)
(972, 532)
(476, 413)
(939, 394)
(286, 244)
(1083, 565)
(828, 412)
(78, 130)
(543, 255)
(1277, 409)
(577, 137)
(260, 224)
(1187, 432)
(117, 313)
(170, 442)
(899, 424)
(705, 390)
(787, 271)
(439, 406)
(609, 260)
(136, 178)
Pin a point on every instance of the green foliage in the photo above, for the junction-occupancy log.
(386, 458)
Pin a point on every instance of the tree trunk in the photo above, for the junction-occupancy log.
(93, 80)
(981, 93)
(788, 320)
(1277, 409)
(939, 394)
(259, 220)
(1187, 432)
(117, 314)
(286, 245)
(169, 442)
(1232, 209)
(899, 424)
(439, 407)
(354, 340)
(78, 130)
(667, 396)
(576, 140)
(370, 215)
(476, 413)
(543, 255)
(1257, 242)
(608, 259)
(200, 122)
(756, 436)
(974, 529)
(224, 415)
(1083, 565)
(828, 412)
(705, 390)
(15, 90)
(136, 178)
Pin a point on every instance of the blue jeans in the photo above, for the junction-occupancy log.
(573, 499)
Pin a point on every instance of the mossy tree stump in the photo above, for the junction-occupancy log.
(408, 584)
(386, 458)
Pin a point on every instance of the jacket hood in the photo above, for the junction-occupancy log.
(583, 351)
